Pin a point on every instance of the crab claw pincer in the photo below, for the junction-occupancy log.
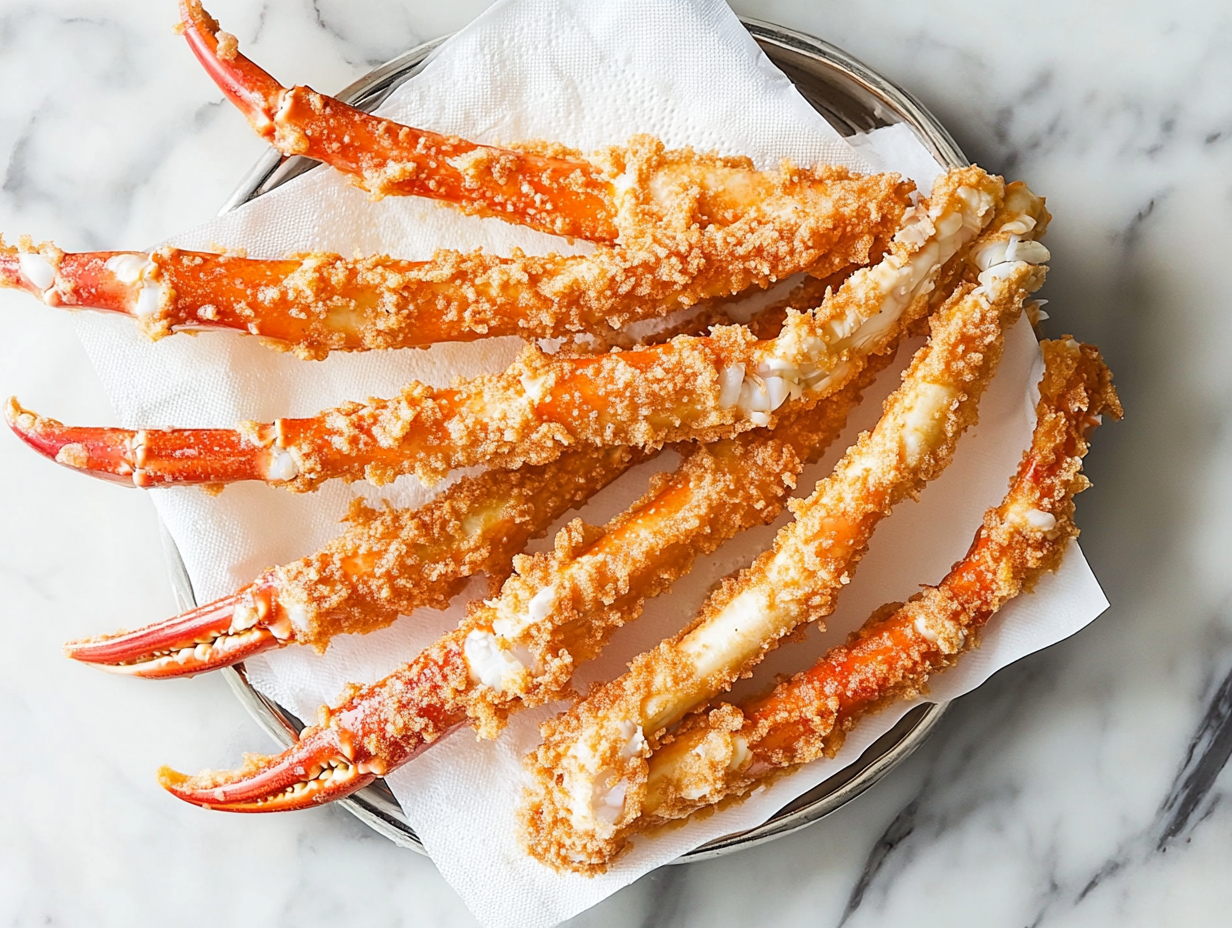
(207, 638)
(374, 730)
(151, 457)
(315, 770)
(253, 91)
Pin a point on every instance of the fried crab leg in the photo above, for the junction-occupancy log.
(729, 750)
(552, 189)
(387, 563)
(390, 563)
(703, 388)
(589, 776)
(555, 612)
(672, 229)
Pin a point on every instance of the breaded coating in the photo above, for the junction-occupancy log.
(677, 248)
(726, 751)
(666, 259)
(589, 776)
(558, 608)
(650, 396)
(597, 580)
(544, 185)
(692, 388)
(392, 562)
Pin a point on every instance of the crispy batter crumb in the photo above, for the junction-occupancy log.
(692, 228)
(544, 404)
(796, 582)
(73, 455)
(724, 754)
(600, 579)
(228, 45)
(391, 562)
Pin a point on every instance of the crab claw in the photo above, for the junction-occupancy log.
(253, 91)
(316, 769)
(151, 457)
(215, 635)
(561, 195)
(107, 280)
(377, 729)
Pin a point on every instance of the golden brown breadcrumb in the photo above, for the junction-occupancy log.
(392, 562)
(587, 750)
(596, 580)
(702, 388)
(644, 397)
(726, 751)
(665, 261)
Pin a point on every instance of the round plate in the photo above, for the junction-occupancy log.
(853, 98)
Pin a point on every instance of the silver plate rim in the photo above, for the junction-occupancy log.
(793, 51)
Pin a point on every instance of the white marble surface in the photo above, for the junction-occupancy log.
(1081, 787)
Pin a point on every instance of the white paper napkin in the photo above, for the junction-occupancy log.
(586, 73)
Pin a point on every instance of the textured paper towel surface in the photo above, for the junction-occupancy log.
(586, 74)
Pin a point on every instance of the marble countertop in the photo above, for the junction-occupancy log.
(1082, 786)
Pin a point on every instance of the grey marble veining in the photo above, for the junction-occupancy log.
(1085, 786)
